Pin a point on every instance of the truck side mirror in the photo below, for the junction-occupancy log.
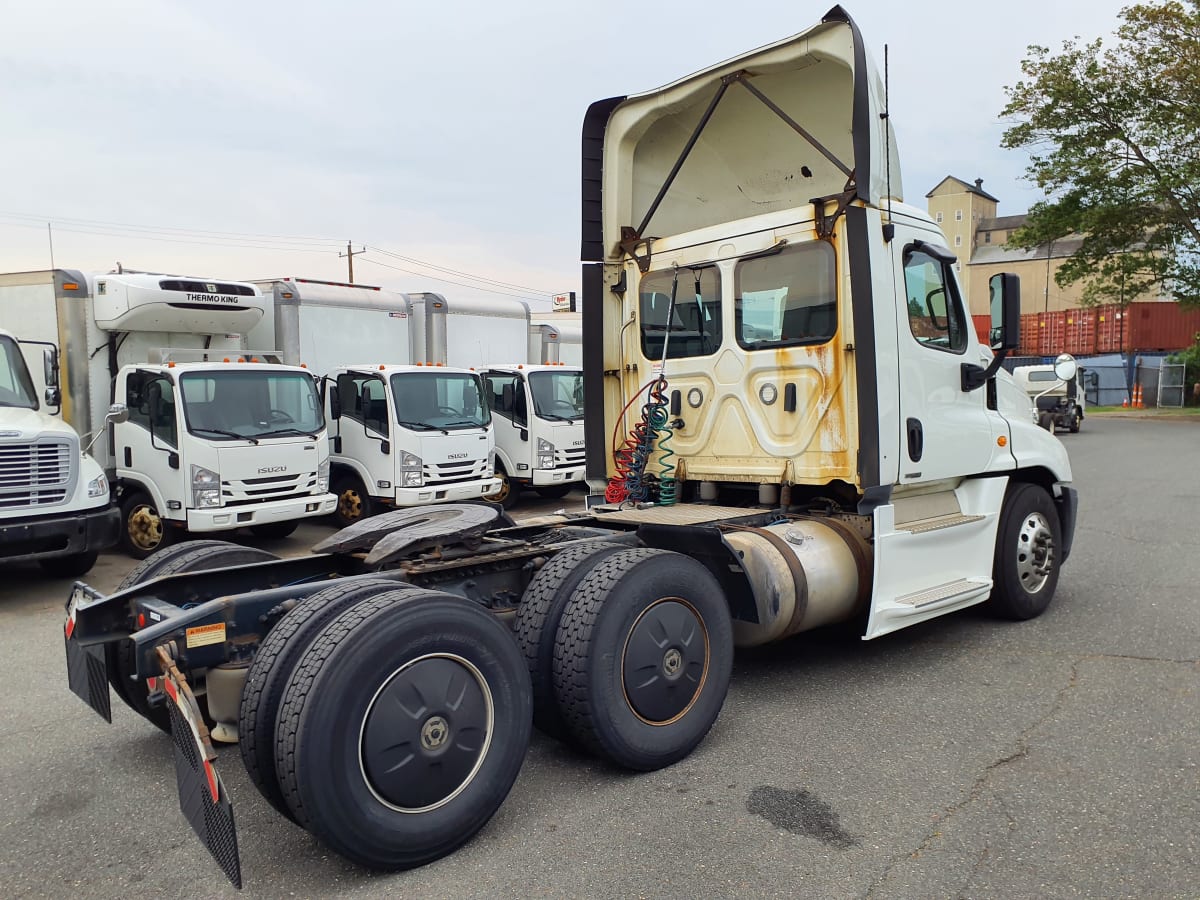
(1065, 367)
(117, 413)
(1005, 290)
(335, 400)
(53, 396)
(50, 367)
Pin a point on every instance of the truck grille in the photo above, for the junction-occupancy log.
(36, 474)
(454, 472)
(569, 458)
(273, 487)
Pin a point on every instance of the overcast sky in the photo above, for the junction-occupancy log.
(447, 133)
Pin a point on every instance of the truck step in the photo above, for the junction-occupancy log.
(951, 591)
(936, 523)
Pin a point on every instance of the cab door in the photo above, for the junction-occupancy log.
(945, 431)
(147, 444)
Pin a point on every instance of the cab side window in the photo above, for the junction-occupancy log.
(506, 396)
(151, 401)
(364, 399)
(935, 310)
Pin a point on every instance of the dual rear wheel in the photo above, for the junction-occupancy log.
(389, 721)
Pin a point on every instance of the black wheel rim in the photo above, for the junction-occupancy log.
(665, 661)
(426, 733)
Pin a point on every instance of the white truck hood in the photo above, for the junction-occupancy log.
(747, 158)
(29, 424)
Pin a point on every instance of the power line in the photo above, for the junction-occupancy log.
(179, 240)
(537, 295)
(414, 261)
(129, 226)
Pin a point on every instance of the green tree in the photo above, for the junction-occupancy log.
(1113, 134)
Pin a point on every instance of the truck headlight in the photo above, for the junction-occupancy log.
(323, 477)
(206, 487)
(98, 486)
(490, 471)
(545, 454)
(410, 470)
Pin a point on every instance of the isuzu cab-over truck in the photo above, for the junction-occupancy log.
(842, 448)
(401, 432)
(54, 498)
(213, 440)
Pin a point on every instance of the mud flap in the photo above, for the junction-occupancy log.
(87, 675)
(87, 667)
(202, 797)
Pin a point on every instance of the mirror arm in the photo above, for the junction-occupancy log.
(975, 377)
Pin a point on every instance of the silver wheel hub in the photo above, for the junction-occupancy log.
(672, 661)
(1035, 552)
(434, 732)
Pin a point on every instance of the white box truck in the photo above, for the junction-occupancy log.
(849, 452)
(537, 403)
(213, 441)
(54, 498)
(401, 432)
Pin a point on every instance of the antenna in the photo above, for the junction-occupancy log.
(889, 228)
(50, 237)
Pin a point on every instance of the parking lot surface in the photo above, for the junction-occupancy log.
(963, 757)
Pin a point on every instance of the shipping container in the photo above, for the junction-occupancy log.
(1109, 329)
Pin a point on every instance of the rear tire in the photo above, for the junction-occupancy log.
(278, 654)
(403, 728)
(1028, 547)
(190, 556)
(353, 502)
(1045, 420)
(1076, 420)
(275, 531)
(643, 658)
(143, 529)
(538, 616)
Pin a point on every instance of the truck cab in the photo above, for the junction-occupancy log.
(1054, 390)
(537, 415)
(407, 435)
(54, 498)
(218, 445)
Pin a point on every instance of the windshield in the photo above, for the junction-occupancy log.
(250, 404)
(16, 387)
(426, 400)
(557, 395)
(1047, 375)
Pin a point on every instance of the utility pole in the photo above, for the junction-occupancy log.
(349, 257)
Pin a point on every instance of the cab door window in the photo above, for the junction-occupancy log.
(364, 399)
(935, 310)
(151, 401)
(506, 396)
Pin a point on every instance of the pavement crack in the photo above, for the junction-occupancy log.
(1019, 752)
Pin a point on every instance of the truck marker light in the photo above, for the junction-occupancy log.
(141, 620)
(1002, 441)
(226, 359)
(381, 368)
(170, 365)
(70, 286)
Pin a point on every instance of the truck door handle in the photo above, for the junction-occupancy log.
(916, 440)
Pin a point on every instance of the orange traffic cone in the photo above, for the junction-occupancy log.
(1137, 397)
(1125, 403)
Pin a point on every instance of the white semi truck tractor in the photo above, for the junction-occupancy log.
(790, 423)
(215, 439)
(54, 497)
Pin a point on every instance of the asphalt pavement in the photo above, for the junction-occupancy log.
(963, 757)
